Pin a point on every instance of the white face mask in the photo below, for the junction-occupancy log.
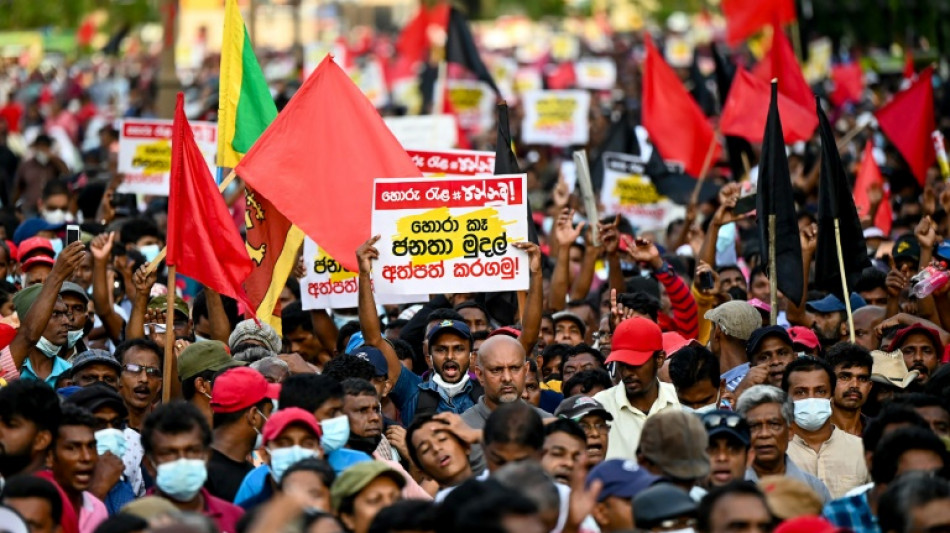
(812, 413)
(700, 410)
(57, 216)
(48, 348)
(73, 336)
(42, 158)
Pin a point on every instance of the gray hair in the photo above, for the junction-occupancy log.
(530, 479)
(910, 491)
(253, 354)
(764, 394)
(272, 367)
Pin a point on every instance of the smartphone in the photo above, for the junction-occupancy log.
(745, 204)
(706, 280)
(72, 234)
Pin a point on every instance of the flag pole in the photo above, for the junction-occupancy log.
(161, 255)
(773, 280)
(694, 199)
(844, 281)
(167, 364)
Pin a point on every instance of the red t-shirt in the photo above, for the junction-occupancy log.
(70, 520)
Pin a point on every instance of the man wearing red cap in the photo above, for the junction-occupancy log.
(636, 352)
(922, 349)
(241, 401)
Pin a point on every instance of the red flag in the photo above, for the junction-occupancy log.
(414, 40)
(747, 108)
(849, 83)
(781, 63)
(908, 121)
(745, 17)
(677, 126)
(203, 243)
(869, 174)
(317, 160)
(909, 70)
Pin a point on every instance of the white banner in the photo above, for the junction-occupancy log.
(628, 191)
(558, 118)
(473, 102)
(145, 153)
(596, 73)
(434, 132)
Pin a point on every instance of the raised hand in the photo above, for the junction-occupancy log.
(643, 251)
(366, 253)
(926, 233)
(102, 246)
(530, 248)
(68, 261)
(562, 193)
(809, 239)
(565, 232)
(610, 235)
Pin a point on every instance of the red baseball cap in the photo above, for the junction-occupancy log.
(635, 341)
(280, 420)
(804, 336)
(239, 388)
(674, 342)
(902, 335)
(37, 251)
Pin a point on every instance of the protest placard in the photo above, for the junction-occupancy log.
(472, 102)
(145, 153)
(628, 191)
(436, 132)
(558, 118)
(440, 163)
(599, 74)
(450, 235)
(329, 285)
(528, 79)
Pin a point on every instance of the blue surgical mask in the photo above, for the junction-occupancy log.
(182, 479)
(282, 458)
(336, 431)
(812, 413)
(73, 336)
(699, 410)
(110, 440)
(150, 251)
(11, 279)
(48, 348)
(57, 246)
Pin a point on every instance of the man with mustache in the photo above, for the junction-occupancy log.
(817, 446)
(852, 367)
(922, 349)
(636, 350)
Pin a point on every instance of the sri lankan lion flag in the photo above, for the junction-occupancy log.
(245, 109)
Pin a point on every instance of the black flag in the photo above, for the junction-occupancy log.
(776, 199)
(460, 48)
(835, 202)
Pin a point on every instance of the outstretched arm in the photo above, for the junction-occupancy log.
(531, 319)
(369, 322)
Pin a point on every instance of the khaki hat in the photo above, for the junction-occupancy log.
(735, 318)
(205, 355)
(161, 303)
(149, 507)
(355, 478)
(790, 498)
(889, 368)
(24, 299)
(675, 441)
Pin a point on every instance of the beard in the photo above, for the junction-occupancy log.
(13, 463)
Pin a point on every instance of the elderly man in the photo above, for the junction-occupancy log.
(769, 415)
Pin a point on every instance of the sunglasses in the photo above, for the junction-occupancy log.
(716, 420)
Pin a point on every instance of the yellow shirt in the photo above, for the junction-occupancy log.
(624, 436)
(703, 303)
(551, 385)
(838, 463)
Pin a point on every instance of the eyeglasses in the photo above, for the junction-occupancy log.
(115, 423)
(600, 427)
(150, 371)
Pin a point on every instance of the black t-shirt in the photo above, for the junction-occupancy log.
(225, 475)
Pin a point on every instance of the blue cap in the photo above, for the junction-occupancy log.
(31, 226)
(94, 356)
(375, 356)
(833, 304)
(454, 326)
(622, 478)
(356, 340)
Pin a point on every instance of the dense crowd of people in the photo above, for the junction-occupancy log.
(641, 386)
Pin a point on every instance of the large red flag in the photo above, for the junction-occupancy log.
(747, 108)
(849, 83)
(869, 174)
(782, 64)
(317, 160)
(677, 126)
(908, 121)
(203, 242)
(745, 17)
(414, 40)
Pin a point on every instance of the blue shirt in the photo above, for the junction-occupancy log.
(120, 494)
(735, 376)
(60, 367)
(852, 512)
(405, 395)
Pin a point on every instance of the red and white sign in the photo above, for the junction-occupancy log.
(437, 163)
(145, 153)
(329, 285)
(450, 235)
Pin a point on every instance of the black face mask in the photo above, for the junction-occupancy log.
(366, 445)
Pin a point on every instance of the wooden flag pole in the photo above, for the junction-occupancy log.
(844, 281)
(168, 364)
(773, 279)
(694, 199)
(745, 165)
(848, 137)
(161, 255)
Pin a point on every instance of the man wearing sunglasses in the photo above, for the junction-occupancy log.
(728, 447)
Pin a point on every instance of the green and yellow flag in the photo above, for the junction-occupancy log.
(245, 109)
